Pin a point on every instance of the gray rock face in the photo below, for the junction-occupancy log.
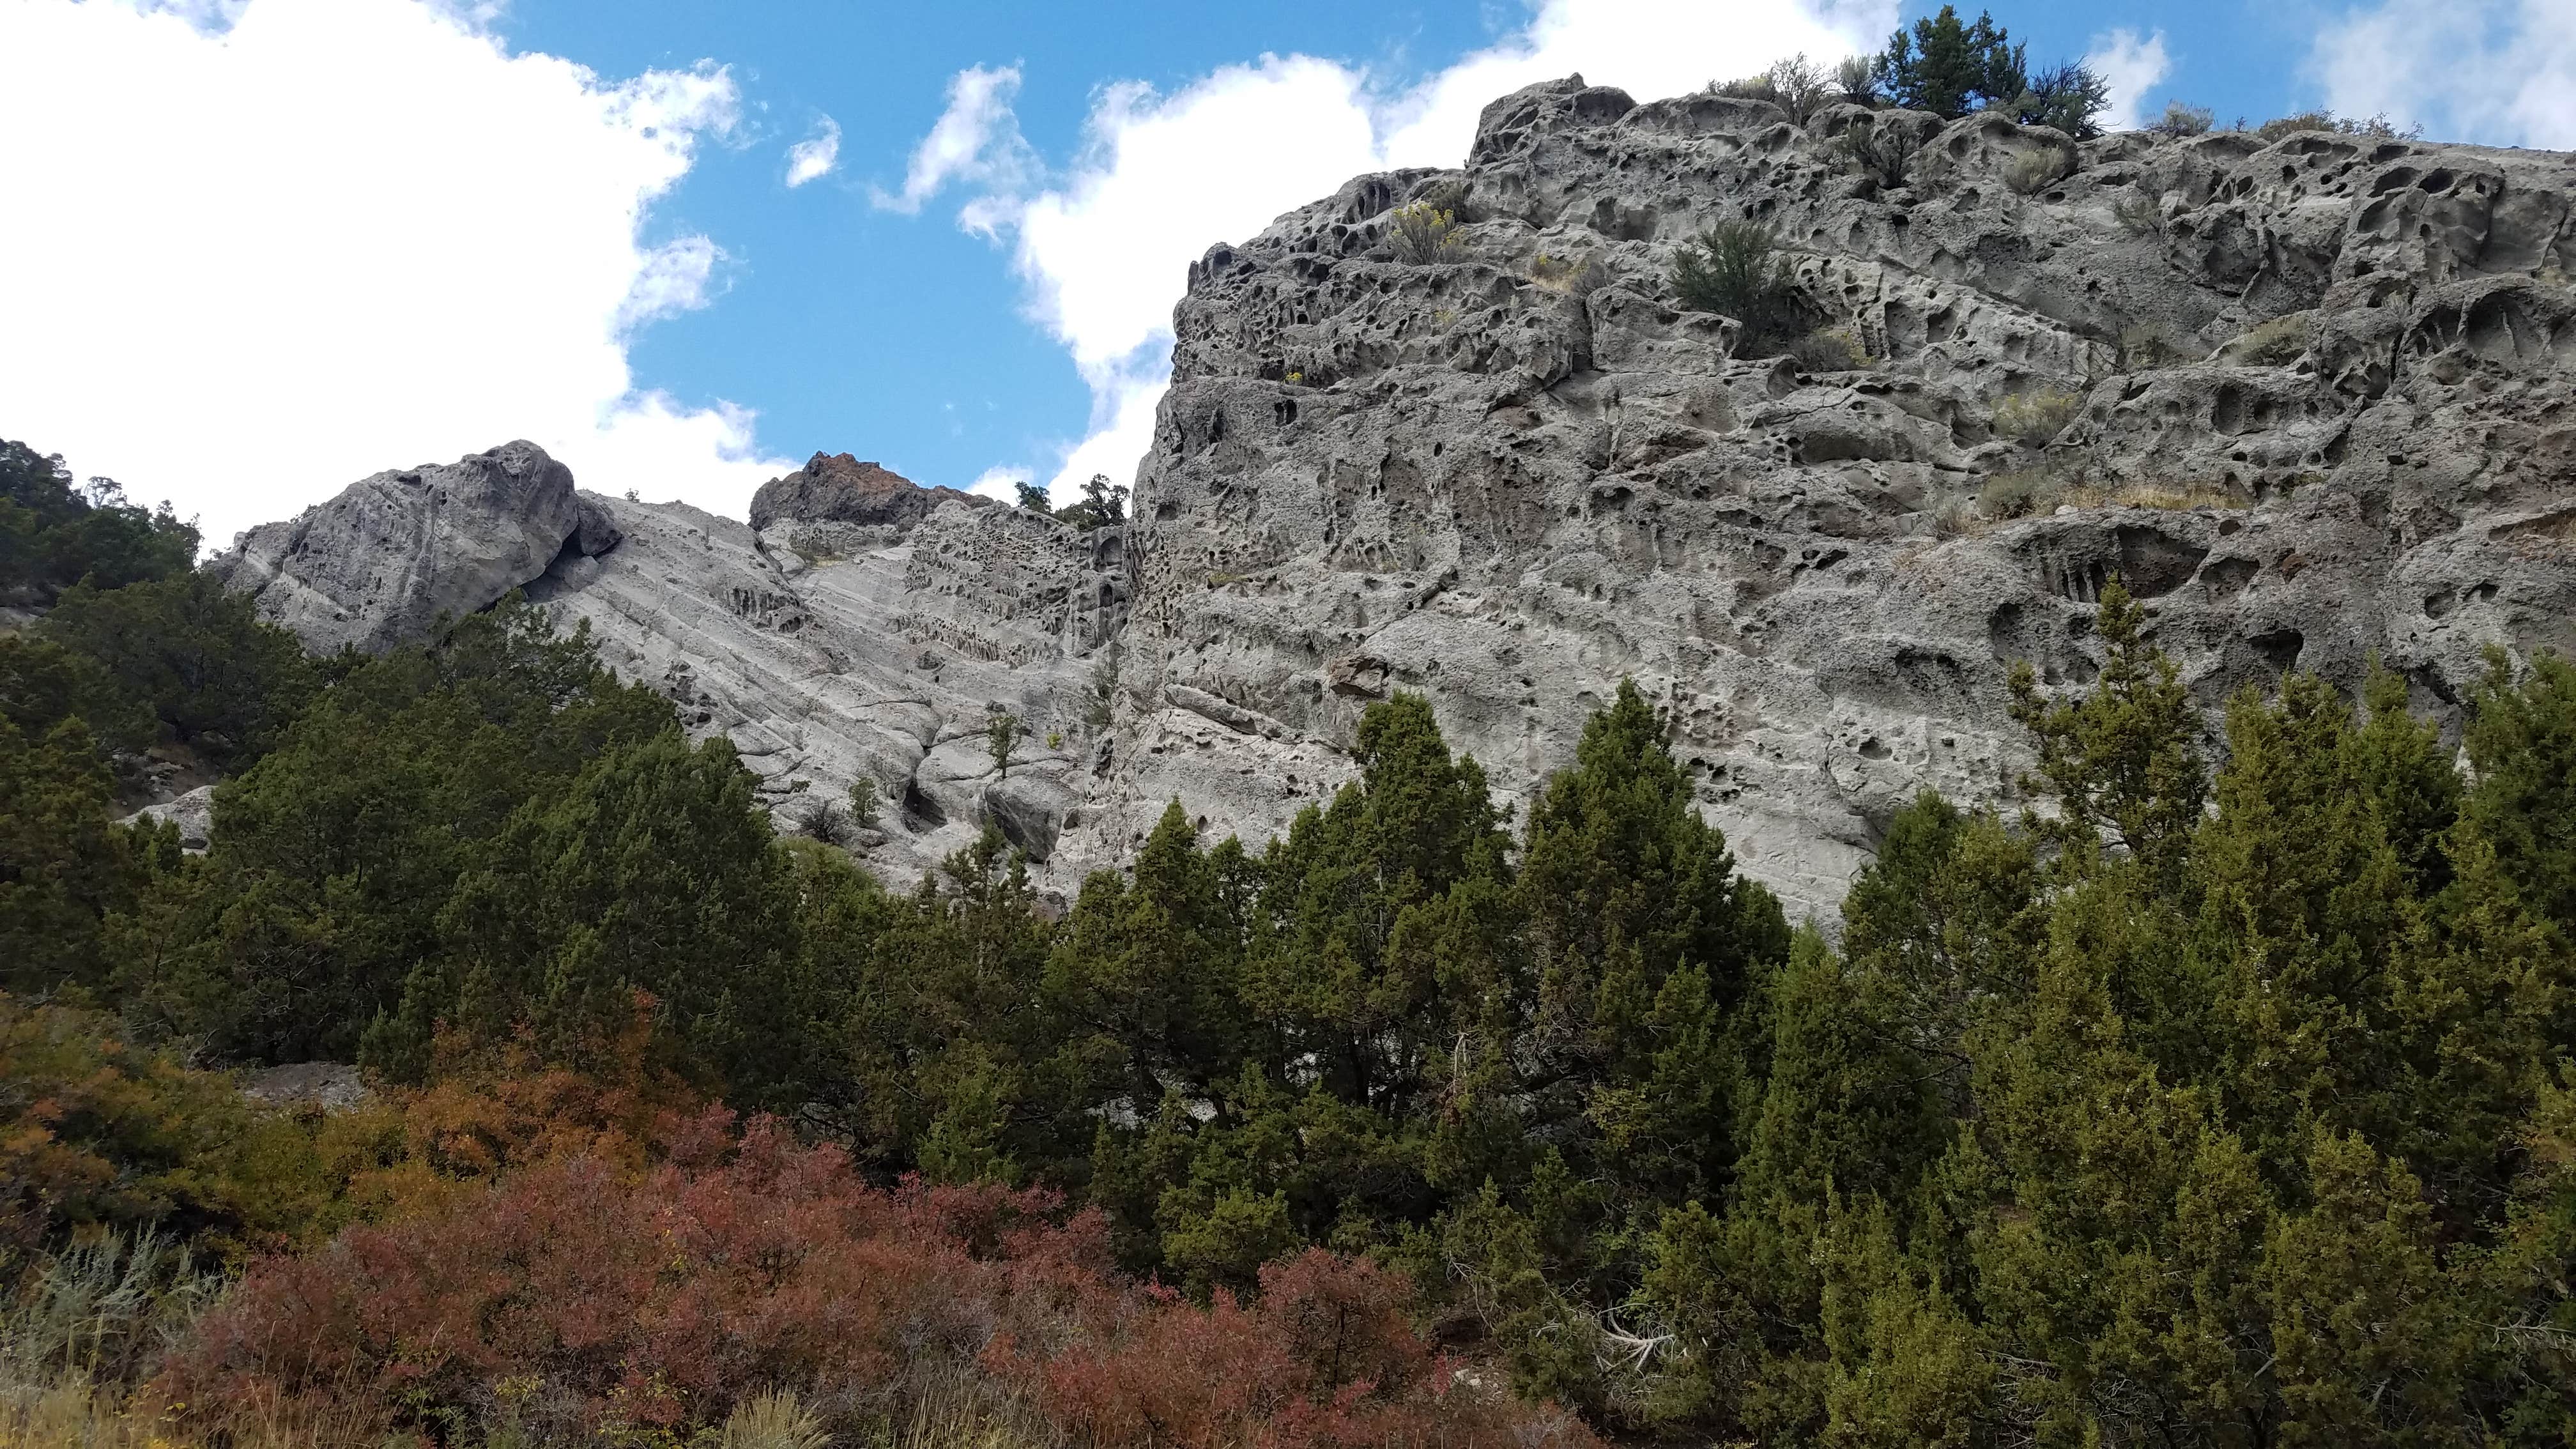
(378, 564)
(841, 490)
(2314, 400)
(193, 812)
(869, 629)
(329, 1088)
(880, 650)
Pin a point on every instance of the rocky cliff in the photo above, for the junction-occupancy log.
(866, 628)
(2313, 397)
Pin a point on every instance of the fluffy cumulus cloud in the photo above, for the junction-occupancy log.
(1104, 248)
(975, 139)
(2133, 67)
(814, 157)
(1000, 482)
(286, 243)
(2497, 71)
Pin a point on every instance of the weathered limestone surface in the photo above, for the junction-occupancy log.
(1509, 482)
(378, 564)
(885, 660)
(1509, 493)
(871, 628)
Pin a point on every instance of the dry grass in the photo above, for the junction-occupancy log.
(961, 1416)
(773, 1419)
(2036, 417)
(72, 1414)
(2035, 171)
(2030, 492)
(1831, 349)
(2276, 343)
(2180, 497)
(1579, 277)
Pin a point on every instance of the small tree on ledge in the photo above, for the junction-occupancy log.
(1000, 734)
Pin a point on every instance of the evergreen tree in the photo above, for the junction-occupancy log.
(339, 850)
(1146, 974)
(1622, 882)
(63, 867)
(2522, 752)
(2303, 902)
(1949, 67)
(653, 872)
(223, 681)
(54, 534)
(43, 684)
(2122, 761)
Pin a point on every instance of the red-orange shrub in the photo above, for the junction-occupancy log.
(656, 1300)
(1324, 1359)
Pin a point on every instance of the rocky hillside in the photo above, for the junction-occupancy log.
(862, 627)
(2314, 398)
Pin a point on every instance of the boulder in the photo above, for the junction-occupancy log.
(376, 566)
(193, 813)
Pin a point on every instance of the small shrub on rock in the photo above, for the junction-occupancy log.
(1423, 234)
(2145, 346)
(1878, 152)
(1797, 85)
(2378, 126)
(1827, 350)
(2036, 417)
(2034, 171)
(2181, 120)
(1854, 79)
(1734, 270)
(1452, 195)
(2019, 494)
(2276, 343)
(1578, 277)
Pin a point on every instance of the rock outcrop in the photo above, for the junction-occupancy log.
(378, 564)
(2312, 398)
(2339, 371)
(868, 628)
(840, 492)
(830, 649)
(193, 812)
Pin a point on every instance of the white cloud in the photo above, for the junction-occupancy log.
(1104, 250)
(2502, 72)
(976, 139)
(1649, 48)
(814, 157)
(673, 279)
(292, 242)
(1001, 482)
(2133, 67)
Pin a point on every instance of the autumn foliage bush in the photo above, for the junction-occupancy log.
(585, 1301)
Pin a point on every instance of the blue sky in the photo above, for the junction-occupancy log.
(855, 328)
(301, 240)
